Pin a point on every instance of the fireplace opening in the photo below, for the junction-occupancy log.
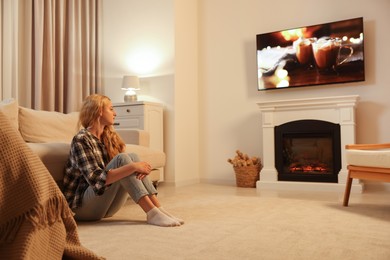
(308, 151)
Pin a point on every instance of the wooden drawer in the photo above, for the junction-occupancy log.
(124, 111)
(133, 122)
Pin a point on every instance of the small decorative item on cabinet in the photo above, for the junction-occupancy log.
(247, 170)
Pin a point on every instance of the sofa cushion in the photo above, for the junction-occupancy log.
(53, 156)
(37, 126)
(154, 157)
(368, 158)
(134, 136)
(9, 107)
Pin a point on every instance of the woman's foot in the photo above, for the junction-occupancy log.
(158, 218)
(171, 216)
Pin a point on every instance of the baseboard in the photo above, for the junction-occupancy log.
(376, 186)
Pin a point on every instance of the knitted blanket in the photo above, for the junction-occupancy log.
(35, 220)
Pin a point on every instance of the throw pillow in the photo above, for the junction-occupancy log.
(37, 126)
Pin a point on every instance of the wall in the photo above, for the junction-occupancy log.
(230, 118)
(221, 100)
(138, 39)
(186, 125)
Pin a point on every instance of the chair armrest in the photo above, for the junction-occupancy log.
(367, 146)
(134, 136)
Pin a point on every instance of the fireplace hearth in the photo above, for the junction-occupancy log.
(308, 151)
(304, 162)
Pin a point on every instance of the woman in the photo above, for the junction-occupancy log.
(99, 176)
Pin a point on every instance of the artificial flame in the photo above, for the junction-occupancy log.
(309, 168)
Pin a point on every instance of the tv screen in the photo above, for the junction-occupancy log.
(312, 55)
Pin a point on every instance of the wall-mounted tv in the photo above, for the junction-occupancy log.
(313, 55)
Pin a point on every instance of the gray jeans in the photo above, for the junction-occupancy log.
(114, 197)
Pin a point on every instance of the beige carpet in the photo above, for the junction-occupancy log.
(225, 222)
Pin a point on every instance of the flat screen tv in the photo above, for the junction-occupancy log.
(313, 55)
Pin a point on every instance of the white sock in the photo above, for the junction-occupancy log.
(170, 215)
(156, 217)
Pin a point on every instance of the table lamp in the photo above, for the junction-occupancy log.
(131, 85)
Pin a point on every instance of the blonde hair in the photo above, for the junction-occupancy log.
(89, 115)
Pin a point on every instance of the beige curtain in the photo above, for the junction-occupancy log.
(59, 57)
(8, 48)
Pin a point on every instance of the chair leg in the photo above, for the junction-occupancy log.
(347, 191)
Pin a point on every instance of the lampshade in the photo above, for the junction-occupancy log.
(131, 82)
(131, 85)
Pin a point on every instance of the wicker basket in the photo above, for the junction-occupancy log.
(247, 176)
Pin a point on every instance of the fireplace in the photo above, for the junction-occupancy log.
(308, 151)
(336, 114)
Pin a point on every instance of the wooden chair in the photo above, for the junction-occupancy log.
(367, 162)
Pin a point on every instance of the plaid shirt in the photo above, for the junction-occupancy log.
(85, 167)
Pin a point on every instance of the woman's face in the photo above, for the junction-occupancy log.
(108, 114)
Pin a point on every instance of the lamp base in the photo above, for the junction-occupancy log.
(130, 98)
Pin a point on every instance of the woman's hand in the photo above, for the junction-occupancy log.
(140, 176)
(142, 169)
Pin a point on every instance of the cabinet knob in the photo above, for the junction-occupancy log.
(128, 110)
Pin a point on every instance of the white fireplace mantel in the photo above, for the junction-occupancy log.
(338, 110)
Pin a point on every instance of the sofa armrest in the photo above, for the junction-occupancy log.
(134, 136)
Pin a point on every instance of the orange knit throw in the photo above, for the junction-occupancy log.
(35, 220)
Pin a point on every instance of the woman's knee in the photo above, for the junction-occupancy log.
(125, 158)
(134, 157)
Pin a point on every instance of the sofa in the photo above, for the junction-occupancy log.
(49, 135)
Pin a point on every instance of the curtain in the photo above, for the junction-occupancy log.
(8, 48)
(54, 50)
(65, 53)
